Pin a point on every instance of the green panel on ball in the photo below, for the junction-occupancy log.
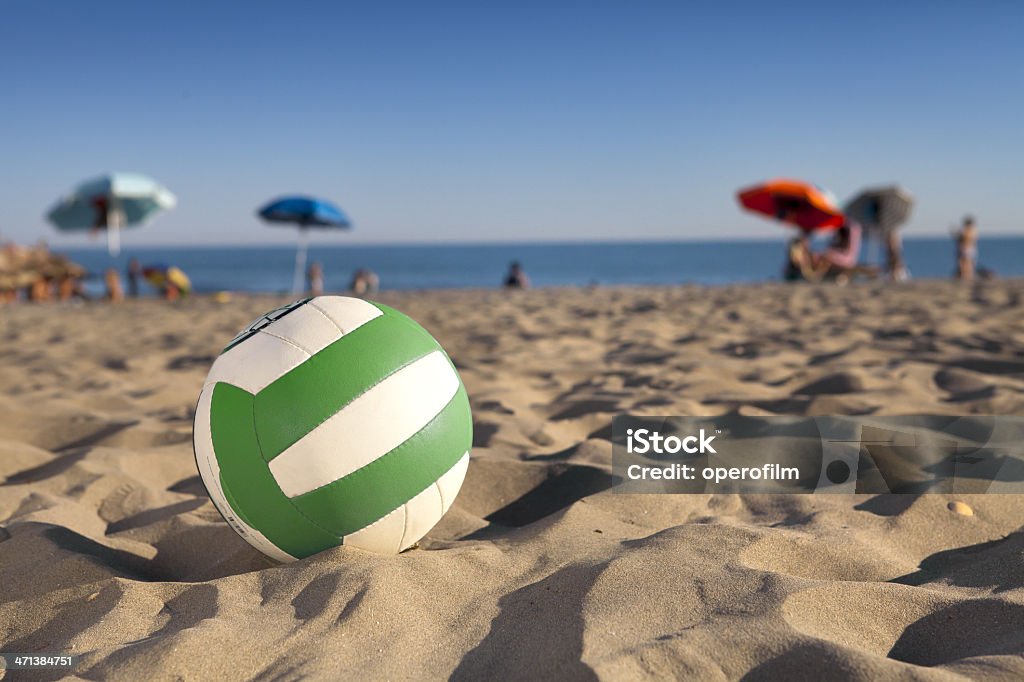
(251, 489)
(299, 401)
(368, 494)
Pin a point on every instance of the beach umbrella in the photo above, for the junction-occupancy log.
(111, 202)
(881, 209)
(800, 204)
(305, 213)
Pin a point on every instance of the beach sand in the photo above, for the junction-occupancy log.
(110, 548)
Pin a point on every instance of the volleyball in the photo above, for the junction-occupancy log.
(332, 421)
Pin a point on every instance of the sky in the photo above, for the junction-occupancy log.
(524, 121)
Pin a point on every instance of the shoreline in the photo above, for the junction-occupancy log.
(880, 283)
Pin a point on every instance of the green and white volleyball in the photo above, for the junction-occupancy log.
(332, 421)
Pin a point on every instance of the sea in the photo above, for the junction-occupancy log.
(269, 269)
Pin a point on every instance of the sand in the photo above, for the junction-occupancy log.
(110, 548)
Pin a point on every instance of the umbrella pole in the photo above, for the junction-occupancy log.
(300, 260)
(113, 241)
(113, 228)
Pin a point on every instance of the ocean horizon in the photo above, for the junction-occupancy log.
(268, 269)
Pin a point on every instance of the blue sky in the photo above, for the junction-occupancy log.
(512, 121)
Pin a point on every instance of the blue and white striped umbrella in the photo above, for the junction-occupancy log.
(111, 202)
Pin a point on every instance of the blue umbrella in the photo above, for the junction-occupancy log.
(111, 202)
(306, 213)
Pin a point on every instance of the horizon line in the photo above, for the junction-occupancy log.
(538, 242)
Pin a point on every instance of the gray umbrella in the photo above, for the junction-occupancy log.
(880, 209)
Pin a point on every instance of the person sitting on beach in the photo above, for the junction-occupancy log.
(966, 249)
(839, 260)
(516, 278)
(365, 282)
(798, 258)
(845, 248)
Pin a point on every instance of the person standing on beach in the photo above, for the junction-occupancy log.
(315, 277)
(112, 280)
(898, 271)
(134, 273)
(966, 249)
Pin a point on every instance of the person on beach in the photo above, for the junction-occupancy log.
(134, 274)
(966, 249)
(41, 289)
(12, 277)
(365, 282)
(48, 268)
(897, 267)
(39, 273)
(844, 251)
(838, 261)
(798, 255)
(171, 282)
(178, 284)
(115, 292)
(315, 279)
(516, 278)
(69, 288)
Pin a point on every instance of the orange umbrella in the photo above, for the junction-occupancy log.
(802, 204)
